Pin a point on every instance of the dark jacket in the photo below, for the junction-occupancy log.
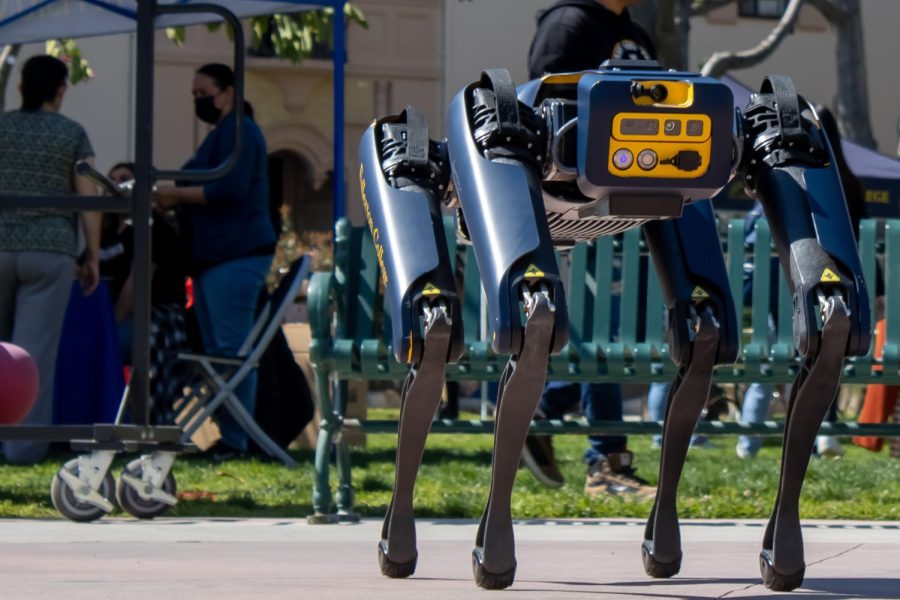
(578, 35)
(234, 222)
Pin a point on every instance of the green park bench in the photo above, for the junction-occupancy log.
(351, 336)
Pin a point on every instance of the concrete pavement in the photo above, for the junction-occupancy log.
(572, 559)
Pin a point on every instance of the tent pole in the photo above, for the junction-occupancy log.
(143, 157)
(340, 59)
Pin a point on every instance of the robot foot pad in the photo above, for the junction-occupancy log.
(774, 580)
(394, 570)
(655, 568)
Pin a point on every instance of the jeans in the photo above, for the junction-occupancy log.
(657, 397)
(225, 298)
(599, 401)
(755, 409)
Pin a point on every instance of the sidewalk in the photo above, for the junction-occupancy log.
(265, 558)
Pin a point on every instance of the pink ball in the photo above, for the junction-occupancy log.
(18, 383)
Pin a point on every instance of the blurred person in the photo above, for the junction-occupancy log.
(228, 234)
(38, 247)
(168, 330)
(578, 35)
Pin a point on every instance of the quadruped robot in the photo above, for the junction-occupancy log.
(566, 159)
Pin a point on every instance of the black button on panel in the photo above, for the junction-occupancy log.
(694, 127)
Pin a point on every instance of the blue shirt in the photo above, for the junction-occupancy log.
(234, 222)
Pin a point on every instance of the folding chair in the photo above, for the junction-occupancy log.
(223, 374)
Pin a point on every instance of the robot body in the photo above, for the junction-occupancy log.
(572, 157)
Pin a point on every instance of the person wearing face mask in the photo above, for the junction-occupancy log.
(229, 238)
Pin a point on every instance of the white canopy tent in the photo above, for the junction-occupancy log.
(38, 20)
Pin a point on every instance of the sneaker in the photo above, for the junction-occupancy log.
(828, 447)
(538, 456)
(744, 453)
(615, 475)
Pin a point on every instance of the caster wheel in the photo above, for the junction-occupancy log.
(69, 506)
(653, 567)
(774, 580)
(132, 503)
(487, 580)
(392, 569)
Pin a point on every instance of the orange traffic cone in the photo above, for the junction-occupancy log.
(880, 400)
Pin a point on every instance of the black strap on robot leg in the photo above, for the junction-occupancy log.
(521, 385)
(661, 549)
(781, 560)
(419, 401)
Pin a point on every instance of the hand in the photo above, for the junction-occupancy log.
(88, 273)
(167, 196)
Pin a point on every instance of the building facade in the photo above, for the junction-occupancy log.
(419, 52)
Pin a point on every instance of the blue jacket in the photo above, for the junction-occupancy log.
(234, 223)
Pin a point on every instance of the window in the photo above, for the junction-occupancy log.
(762, 9)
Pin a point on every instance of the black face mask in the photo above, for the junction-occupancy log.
(205, 109)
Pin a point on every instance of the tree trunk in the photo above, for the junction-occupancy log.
(852, 102)
(669, 44)
(722, 62)
(7, 59)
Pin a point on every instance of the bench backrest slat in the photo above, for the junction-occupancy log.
(610, 280)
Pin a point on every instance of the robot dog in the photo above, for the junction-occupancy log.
(566, 159)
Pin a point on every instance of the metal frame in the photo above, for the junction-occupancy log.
(139, 205)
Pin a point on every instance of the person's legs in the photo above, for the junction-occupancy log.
(225, 299)
(610, 469)
(656, 406)
(755, 409)
(828, 445)
(8, 285)
(44, 285)
(557, 399)
(602, 402)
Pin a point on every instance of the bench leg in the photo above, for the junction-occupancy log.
(420, 399)
(322, 500)
(661, 549)
(521, 385)
(345, 496)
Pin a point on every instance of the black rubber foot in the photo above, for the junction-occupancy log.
(392, 569)
(487, 580)
(774, 580)
(655, 568)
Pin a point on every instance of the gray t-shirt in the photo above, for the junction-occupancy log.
(38, 151)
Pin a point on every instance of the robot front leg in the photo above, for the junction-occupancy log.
(702, 332)
(494, 151)
(792, 171)
(402, 177)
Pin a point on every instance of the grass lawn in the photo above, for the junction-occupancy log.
(455, 476)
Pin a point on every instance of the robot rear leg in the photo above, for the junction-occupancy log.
(702, 332)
